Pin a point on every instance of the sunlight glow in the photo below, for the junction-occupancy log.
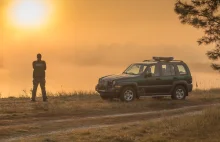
(29, 13)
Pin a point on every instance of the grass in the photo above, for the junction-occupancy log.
(15, 111)
(89, 103)
(204, 127)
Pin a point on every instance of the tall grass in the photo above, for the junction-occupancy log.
(74, 93)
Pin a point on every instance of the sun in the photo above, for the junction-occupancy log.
(29, 13)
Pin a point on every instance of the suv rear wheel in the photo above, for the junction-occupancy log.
(179, 93)
(128, 94)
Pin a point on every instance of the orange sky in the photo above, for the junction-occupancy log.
(85, 39)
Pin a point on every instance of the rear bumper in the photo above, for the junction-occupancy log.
(190, 87)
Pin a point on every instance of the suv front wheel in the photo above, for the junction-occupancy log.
(179, 93)
(128, 94)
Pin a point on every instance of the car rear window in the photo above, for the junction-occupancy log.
(181, 69)
(168, 70)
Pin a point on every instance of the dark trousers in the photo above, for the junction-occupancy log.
(42, 83)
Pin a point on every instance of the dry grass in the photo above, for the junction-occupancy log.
(204, 127)
(89, 103)
(15, 111)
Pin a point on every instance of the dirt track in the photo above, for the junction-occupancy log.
(24, 130)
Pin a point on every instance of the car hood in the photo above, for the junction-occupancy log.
(118, 77)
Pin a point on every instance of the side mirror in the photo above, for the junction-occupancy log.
(148, 75)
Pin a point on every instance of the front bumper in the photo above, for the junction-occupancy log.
(108, 91)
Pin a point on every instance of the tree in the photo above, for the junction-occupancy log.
(203, 14)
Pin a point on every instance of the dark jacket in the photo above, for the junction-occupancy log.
(39, 69)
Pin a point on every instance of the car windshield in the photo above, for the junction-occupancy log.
(135, 69)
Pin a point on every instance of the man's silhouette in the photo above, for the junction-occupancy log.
(39, 67)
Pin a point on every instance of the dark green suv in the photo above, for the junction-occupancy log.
(161, 76)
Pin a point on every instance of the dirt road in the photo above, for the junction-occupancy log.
(22, 129)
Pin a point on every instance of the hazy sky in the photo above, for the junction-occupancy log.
(85, 39)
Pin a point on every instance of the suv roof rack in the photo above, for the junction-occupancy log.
(166, 59)
(177, 61)
(149, 61)
(163, 59)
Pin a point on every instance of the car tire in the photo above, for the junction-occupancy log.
(128, 94)
(179, 93)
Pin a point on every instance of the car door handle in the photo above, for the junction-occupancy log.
(158, 79)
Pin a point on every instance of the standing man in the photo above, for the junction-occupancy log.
(39, 67)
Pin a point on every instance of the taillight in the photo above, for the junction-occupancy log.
(189, 80)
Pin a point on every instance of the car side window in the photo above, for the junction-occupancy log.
(168, 70)
(134, 69)
(142, 69)
(154, 70)
(181, 69)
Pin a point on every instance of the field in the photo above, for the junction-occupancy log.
(83, 116)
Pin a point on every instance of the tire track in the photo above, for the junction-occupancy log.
(64, 131)
(193, 110)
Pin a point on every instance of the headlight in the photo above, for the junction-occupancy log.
(113, 82)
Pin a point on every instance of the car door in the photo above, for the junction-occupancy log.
(153, 82)
(167, 78)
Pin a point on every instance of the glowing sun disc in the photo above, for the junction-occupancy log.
(29, 12)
